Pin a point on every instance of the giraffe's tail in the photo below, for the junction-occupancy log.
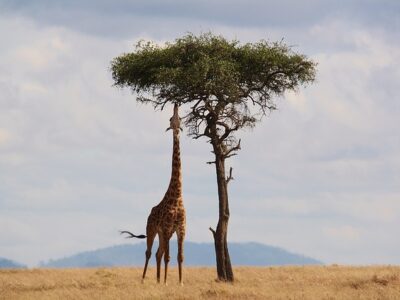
(131, 235)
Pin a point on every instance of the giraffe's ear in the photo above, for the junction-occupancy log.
(181, 128)
(168, 129)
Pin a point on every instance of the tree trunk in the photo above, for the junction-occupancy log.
(224, 267)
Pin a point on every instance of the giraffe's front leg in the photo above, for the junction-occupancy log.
(181, 237)
(166, 260)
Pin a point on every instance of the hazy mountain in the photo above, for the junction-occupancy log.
(196, 254)
(9, 264)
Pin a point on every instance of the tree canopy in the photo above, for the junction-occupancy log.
(239, 80)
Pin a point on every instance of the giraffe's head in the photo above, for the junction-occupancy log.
(175, 121)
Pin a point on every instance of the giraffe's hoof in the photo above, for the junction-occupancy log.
(165, 283)
(181, 283)
(143, 281)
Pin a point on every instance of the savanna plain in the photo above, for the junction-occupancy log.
(308, 282)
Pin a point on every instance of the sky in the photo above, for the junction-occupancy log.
(81, 159)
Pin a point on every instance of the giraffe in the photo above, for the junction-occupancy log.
(169, 215)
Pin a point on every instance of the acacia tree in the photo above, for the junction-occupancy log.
(227, 86)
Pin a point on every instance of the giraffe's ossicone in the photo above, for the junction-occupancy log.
(169, 215)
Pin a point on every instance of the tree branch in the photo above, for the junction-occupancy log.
(213, 232)
(229, 178)
(234, 148)
(230, 155)
(227, 131)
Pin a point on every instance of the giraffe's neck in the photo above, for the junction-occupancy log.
(175, 185)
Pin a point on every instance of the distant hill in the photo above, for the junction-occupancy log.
(196, 254)
(9, 264)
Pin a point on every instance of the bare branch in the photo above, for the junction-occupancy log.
(232, 149)
(197, 136)
(213, 231)
(162, 105)
(229, 178)
(194, 107)
(230, 155)
(227, 129)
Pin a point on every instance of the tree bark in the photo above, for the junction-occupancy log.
(224, 267)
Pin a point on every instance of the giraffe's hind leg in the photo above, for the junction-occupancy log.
(151, 234)
(159, 254)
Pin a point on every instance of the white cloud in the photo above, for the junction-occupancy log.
(4, 136)
(42, 54)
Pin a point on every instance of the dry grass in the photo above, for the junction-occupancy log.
(331, 282)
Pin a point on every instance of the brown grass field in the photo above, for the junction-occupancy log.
(309, 282)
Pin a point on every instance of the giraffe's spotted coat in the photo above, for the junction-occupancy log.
(169, 215)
